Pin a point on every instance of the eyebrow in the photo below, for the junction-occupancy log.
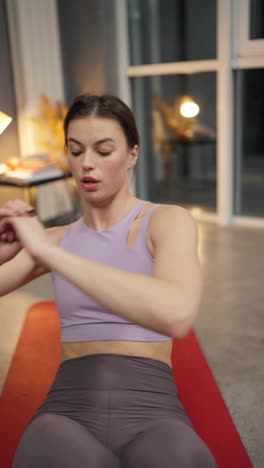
(74, 141)
(104, 140)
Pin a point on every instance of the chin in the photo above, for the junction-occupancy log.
(90, 197)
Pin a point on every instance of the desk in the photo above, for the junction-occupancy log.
(25, 189)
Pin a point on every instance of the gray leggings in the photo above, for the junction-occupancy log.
(111, 411)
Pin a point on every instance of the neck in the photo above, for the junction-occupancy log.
(104, 215)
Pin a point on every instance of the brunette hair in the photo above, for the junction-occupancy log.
(104, 106)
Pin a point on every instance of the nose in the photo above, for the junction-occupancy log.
(88, 161)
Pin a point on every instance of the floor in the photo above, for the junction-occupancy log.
(230, 325)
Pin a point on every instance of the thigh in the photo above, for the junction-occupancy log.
(169, 443)
(53, 441)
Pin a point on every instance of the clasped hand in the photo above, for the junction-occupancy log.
(18, 229)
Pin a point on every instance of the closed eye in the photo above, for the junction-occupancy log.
(104, 153)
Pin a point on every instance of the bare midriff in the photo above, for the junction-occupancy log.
(160, 351)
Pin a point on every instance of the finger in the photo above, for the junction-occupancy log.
(10, 211)
(8, 235)
(5, 224)
(10, 205)
(17, 207)
(22, 206)
(11, 236)
(4, 237)
(6, 212)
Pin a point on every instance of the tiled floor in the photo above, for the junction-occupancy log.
(230, 326)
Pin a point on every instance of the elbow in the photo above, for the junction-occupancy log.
(179, 328)
(181, 323)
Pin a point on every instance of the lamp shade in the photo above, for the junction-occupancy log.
(4, 121)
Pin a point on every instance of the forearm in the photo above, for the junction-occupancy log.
(8, 251)
(16, 272)
(148, 301)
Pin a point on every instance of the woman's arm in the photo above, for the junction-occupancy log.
(167, 303)
(23, 268)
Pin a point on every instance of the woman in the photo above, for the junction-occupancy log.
(127, 281)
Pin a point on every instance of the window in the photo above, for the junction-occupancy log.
(249, 39)
(178, 154)
(167, 63)
(256, 19)
(163, 31)
(249, 130)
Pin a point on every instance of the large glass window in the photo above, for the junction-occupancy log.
(88, 46)
(171, 30)
(256, 19)
(249, 123)
(177, 163)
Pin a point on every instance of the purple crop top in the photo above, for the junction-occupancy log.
(83, 319)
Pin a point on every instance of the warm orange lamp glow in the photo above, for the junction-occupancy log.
(188, 107)
(5, 120)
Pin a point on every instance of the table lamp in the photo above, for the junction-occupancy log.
(5, 120)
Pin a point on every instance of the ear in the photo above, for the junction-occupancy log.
(133, 156)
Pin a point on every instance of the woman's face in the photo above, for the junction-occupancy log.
(99, 157)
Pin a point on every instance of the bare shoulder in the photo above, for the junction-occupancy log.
(173, 224)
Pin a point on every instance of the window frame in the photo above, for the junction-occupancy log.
(230, 22)
(243, 46)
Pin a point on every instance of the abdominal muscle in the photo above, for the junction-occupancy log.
(154, 350)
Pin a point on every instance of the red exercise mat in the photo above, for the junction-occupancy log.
(36, 361)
